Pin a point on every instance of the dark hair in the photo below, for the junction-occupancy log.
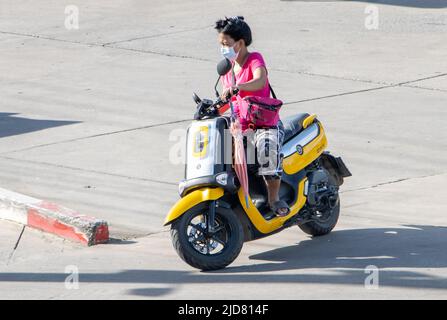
(235, 27)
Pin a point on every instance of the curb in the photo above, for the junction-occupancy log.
(52, 218)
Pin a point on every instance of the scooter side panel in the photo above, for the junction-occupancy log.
(192, 199)
(270, 226)
(296, 161)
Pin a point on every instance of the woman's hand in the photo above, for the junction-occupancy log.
(228, 92)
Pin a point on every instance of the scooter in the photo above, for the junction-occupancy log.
(212, 219)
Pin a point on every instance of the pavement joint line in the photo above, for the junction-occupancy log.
(393, 182)
(107, 45)
(425, 88)
(90, 171)
(400, 84)
(36, 36)
(20, 237)
(96, 136)
(157, 35)
(382, 83)
(90, 44)
(339, 94)
(422, 79)
(321, 75)
(11, 256)
(170, 55)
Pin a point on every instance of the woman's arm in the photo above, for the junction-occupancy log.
(257, 83)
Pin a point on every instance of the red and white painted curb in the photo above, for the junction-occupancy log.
(52, 218)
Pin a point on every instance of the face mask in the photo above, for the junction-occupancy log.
(229, 53)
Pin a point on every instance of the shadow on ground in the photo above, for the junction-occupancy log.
(340, 257)
(11, 125)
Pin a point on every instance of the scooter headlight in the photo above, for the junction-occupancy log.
(222, 179)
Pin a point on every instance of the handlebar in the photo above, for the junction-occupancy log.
(221, 102)
(235, 92)
(205, 109)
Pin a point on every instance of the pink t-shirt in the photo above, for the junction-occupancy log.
(245, 74)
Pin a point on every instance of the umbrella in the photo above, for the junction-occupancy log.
(240, 163)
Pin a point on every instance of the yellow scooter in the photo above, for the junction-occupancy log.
(211, 221)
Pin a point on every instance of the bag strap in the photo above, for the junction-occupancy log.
(234, 82)
(271, 89)
(273, 92)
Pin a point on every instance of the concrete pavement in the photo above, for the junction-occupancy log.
(85, 117)
(380, 227)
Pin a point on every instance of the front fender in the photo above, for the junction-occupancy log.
(190, 200)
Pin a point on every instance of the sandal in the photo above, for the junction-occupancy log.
(280, 205)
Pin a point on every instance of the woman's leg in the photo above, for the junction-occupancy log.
(273, 194)
(273, 189)
(268, 144)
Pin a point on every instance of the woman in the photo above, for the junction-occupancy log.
(249, 76)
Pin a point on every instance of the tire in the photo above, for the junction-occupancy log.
(315, 228)
(320, 228)
(194, 258)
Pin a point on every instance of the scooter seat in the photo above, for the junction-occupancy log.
(293, 125)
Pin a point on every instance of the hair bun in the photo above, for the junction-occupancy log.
(235, 18)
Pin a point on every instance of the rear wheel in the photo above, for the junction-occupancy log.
(325, 218)
(323, 222)
(203, 249)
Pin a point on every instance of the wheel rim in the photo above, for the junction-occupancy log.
(323, 216)
(205, 242)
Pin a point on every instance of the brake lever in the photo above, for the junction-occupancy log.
(235, 92)
(221, 102)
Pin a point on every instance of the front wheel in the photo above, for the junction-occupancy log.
(206, 250)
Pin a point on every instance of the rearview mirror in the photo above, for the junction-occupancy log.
(223, 67)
